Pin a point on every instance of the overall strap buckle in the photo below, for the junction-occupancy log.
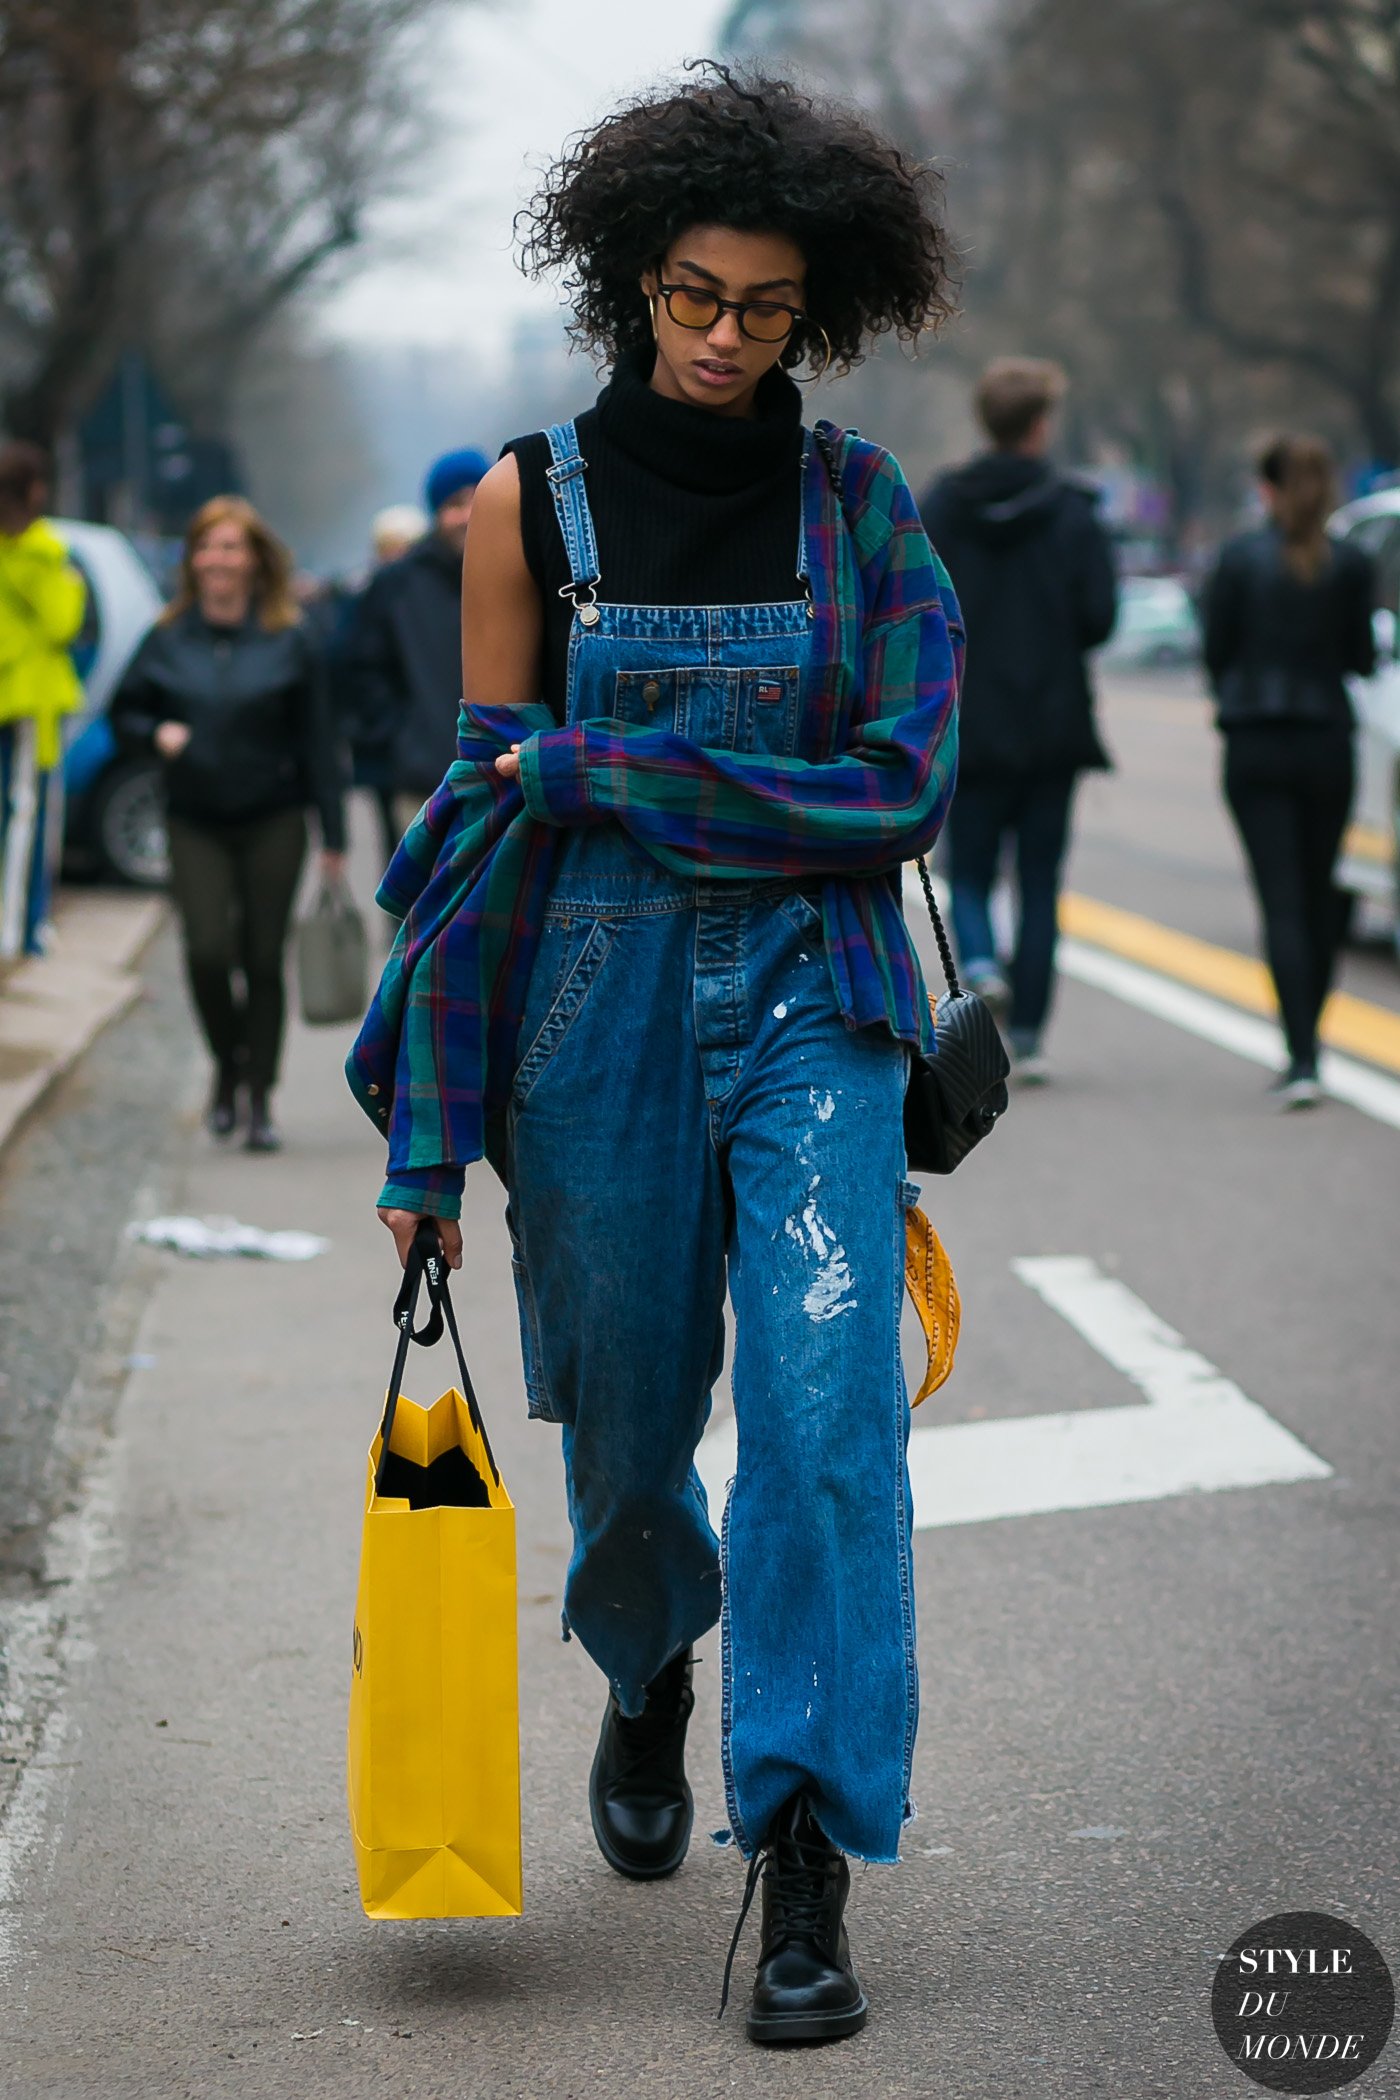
(567, 488)
(585, 607)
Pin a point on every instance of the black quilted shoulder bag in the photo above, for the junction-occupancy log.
(955, 1096)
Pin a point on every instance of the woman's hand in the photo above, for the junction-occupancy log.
(332, 867)
(404, 1224)
(171, 738)
(508, 764)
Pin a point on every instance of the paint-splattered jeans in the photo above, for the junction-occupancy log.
(690, 1107)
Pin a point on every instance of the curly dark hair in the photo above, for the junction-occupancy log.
(757, 155)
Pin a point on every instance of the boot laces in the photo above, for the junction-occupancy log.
(646, 1737)
(798, 1873)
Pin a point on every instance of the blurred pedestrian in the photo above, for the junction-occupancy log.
(1287, 620)
(42, 600)
(393, 531)
(229, 689)
(1033, 571)
(405, 655)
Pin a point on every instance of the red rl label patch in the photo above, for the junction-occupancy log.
(770, 691)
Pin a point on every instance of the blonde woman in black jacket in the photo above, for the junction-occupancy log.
(229, 689)
(1287, 620)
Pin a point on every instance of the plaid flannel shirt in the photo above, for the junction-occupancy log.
(435, 1058)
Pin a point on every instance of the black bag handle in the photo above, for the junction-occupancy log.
(945, 952)
(427, 1263)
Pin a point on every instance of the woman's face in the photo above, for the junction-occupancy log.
(718, 366)
(223, 563)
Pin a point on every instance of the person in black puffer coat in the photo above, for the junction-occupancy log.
(1287, 620)
(1033, 571)
(404, 653)
(229, 689)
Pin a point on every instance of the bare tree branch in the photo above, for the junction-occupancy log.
(142, 140)
(1195, 204)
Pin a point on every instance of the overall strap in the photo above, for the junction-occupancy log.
(803, 569)
(565, 478)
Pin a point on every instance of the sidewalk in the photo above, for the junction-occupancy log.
(184, 1920)
(52, 1006)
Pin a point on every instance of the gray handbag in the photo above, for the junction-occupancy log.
(332, 959)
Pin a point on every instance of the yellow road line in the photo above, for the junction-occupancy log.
(1369, 842)
(1354, 1025)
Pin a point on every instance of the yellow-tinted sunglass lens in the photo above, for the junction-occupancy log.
(767, 324)
(693, 309)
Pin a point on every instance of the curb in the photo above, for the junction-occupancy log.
(53, 1006)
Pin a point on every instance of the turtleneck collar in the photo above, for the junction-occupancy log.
(692, 447)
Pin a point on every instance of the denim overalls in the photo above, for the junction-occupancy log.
(690, 1108)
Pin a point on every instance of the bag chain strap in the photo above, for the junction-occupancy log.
(945, 952)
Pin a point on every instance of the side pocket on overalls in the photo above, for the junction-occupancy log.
(585, 947)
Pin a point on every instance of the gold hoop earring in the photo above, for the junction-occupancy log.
(655, 331)
(815, 378)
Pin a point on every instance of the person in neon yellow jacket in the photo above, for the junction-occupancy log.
(42, 598)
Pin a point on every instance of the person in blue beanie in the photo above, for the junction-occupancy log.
(405, 651)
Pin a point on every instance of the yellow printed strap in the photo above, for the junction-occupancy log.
(929, 1279)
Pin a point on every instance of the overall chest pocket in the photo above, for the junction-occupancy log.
(753, 709)
(769, 702)
(646, 697)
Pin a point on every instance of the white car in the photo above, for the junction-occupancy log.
(1156, 629)
(115, 813)
(1370, 865)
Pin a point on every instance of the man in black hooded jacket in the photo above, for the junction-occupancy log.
(403, 650)
(1033, 571)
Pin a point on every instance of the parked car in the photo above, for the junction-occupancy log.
(1369, 870)
(1157, 627)
(114, 819)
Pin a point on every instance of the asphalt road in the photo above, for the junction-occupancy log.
(1147, 1723)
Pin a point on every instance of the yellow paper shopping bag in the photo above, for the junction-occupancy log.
(434, 1741)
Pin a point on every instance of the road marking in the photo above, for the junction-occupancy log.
(1371, 1092)
(1370, 843)
(1349, 1024)
(1197, 1434)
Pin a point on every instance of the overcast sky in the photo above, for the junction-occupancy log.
(509, 84)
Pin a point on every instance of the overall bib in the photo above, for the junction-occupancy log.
(689, 1112)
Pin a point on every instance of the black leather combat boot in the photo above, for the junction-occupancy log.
(638, 1795)
(806, 1989)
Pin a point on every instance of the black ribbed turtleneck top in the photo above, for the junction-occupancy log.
(689, 507)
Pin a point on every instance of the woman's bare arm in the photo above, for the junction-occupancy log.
(502, 612)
